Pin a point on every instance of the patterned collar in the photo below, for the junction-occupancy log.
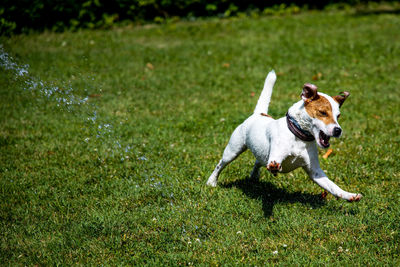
(296, 129)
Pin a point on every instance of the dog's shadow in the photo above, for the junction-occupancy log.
(270, 195)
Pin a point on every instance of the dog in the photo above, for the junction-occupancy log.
(290, 142)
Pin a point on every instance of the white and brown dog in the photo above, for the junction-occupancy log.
(288, 143)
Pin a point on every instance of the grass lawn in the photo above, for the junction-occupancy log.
(118, 178)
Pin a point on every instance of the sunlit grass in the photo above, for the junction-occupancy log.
(173, 94)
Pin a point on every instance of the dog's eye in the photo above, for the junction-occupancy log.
(323, 113)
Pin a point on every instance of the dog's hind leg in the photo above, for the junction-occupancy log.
(235, 147)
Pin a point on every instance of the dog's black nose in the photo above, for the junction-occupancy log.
(337, 131)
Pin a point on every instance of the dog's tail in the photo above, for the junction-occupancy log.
(265, 97)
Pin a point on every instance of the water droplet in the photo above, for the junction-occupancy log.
(66, 100)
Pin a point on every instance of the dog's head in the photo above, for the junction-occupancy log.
(324, 113)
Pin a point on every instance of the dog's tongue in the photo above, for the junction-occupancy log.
(324, 139)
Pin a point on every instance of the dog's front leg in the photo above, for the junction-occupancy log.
(275, 161)
(319, 177)
(274, 166)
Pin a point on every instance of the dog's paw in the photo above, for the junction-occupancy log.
(274, 167)
(355, 198)
(212, 182)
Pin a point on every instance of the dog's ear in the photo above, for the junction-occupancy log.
(309, 92)
(341, 97)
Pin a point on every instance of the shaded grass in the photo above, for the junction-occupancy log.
(66, 201)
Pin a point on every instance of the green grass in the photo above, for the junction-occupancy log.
(175, 93)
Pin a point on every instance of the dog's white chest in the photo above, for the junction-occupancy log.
(291, 163)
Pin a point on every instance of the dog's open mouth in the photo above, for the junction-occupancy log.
(324, 139)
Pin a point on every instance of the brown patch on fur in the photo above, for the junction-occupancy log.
(266, 115)
(320, 108)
